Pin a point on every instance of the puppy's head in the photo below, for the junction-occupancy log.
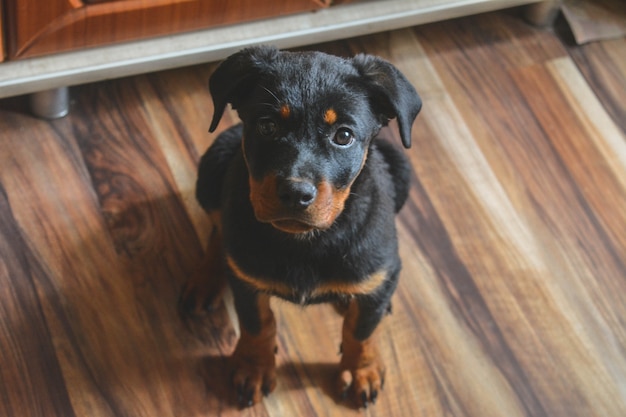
(308, 121)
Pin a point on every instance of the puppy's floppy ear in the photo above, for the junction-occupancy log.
(234, 78)
(391, 93)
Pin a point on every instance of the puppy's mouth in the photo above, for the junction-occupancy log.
(318, 215)
(293, 226)
(291, 222)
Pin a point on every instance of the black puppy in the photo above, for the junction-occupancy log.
(303, 200)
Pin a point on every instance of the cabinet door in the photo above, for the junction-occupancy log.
(37, 27)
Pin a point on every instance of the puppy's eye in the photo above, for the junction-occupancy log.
(266, 126)
(343, 137)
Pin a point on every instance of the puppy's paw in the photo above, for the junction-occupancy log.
(253, 376)
(363, 382)
(361, 371)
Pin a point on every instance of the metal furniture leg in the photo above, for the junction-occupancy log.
(50, 104)
(542, 14)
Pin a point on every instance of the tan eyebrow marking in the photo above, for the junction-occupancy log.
(285, 111)
(330, 116)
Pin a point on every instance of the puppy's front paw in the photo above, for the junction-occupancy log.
(363, 377)
(254, 360)
(253, 376)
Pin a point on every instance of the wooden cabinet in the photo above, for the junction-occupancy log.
(131, 33)
(38, 27)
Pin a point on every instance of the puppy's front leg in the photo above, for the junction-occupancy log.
(361, 368)
(253, 361)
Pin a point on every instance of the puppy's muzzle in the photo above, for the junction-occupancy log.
(296, 205)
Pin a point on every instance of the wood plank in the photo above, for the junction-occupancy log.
(603, 65)
(150, 227)
(441, 132)
(182, 135)
(113, 292)
(31, 382)
(482, 104)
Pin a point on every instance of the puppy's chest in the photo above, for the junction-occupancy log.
(306, 282)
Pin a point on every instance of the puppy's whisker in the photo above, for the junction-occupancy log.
(271, 93)
(272, 105)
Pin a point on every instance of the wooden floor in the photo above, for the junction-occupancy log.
(512, 300)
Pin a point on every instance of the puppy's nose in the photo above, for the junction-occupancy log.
(296, 193)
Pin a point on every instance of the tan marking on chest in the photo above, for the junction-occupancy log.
(261, 284)
(367, 286)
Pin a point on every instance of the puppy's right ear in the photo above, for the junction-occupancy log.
(235, 77)
(392, 94)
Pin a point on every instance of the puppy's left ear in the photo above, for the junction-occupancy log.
(391, 93)
(234, 78)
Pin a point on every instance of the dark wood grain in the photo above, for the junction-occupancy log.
(31, 382)
(603, 65)
(513, 243)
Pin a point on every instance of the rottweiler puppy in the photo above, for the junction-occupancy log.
(303, 198)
